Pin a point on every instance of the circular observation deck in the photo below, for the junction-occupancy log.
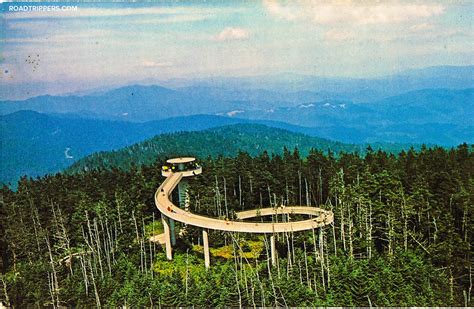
(187, 166)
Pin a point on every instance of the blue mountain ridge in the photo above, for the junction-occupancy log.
(392, 119)
(35, 144)
(431, 105)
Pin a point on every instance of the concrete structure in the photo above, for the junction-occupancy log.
(185, 167)
(188, 167)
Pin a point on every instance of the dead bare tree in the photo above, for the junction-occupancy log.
(54, 277)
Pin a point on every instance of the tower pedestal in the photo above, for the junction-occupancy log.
(166, 227)
(273, 249)
(172, 232)
(205, 240)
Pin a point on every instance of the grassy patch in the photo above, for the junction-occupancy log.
(250, 249)
(154, 228)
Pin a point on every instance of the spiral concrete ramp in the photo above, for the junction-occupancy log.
(318, 217)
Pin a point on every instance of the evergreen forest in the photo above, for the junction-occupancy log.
(401, 236)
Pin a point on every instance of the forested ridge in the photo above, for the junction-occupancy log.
(401, 236)
(225, 140)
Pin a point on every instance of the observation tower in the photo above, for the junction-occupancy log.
(178, 170)
(188, 167)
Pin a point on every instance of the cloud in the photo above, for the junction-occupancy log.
(153, 64)
(276, 9)
(421, 27)
(230, 33)
(352, 12)
(182, 18)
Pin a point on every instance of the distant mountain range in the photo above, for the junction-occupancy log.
(315, 88)
(225, 95)
(287, 87)
(226, 140)
(133, 103)
(48, 133)
(439, 116)
(35, 144)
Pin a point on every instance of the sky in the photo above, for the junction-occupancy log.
(92, 45)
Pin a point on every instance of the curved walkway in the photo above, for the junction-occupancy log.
(166, 207)
(171, 211)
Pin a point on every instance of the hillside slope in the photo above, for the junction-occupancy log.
(34, 144)
(226, 141)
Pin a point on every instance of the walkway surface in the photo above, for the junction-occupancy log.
(167, 208)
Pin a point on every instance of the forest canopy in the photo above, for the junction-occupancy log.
(401, 236)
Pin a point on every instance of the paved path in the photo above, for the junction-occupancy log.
(166, 207)
(171, 212)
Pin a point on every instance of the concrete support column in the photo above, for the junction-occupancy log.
(205, 240)
(183, 194)
(172, 232)
(166, 228)
(273, 249)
